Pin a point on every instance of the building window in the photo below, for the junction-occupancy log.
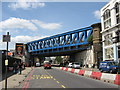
(108, 39)
(117, 12)
(107, 19)
(109, 53)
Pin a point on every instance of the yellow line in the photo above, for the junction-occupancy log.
(51, 77)
(36, 77)
(48, 77)
(57, 81)
(63, 86)
(33, 78)
(44, 77)
(41, 77)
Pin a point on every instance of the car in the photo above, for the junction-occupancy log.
(37, 64)
(70, 65)
(47, 65)
(109, 66)
(76, 65)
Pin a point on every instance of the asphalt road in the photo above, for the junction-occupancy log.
(55, 78)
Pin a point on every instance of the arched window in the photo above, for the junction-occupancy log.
(117, 12)
(107, 19)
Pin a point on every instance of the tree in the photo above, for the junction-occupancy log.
(90, 39)
(58, 59)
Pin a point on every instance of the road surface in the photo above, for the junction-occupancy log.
(55, 78)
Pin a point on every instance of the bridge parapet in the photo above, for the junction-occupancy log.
(68, 41)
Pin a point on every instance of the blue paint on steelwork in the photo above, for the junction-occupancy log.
(62, 41)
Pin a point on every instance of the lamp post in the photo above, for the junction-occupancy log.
(6, 38)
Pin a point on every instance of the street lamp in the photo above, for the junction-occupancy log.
(6, 38)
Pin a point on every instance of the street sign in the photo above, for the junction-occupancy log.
(6, 38)
(6, 62)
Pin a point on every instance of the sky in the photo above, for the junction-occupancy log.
(28, 21)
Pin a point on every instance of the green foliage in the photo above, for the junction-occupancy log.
(90, 39)
(58, 59)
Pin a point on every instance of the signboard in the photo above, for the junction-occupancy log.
(6, 38)
(19, 49)
(6, 62)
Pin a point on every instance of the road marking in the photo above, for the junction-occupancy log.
(33, 78)
(41, 77)
(63, 86)
(44, 77)
(57, 81)
(51, 77)
(48, 77)
(36, 77)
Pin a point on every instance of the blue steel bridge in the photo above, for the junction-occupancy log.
(61, 44)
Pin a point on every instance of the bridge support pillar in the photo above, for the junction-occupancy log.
(97, 43)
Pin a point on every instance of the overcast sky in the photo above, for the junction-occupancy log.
(28, 21)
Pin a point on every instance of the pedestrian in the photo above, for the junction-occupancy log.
(93, 66)
(20, 67)
(15, 67)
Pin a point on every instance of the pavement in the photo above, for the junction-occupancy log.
(16, 79)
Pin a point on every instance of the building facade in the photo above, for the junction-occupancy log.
(110, 19)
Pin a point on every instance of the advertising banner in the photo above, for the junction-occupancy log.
(19, 49)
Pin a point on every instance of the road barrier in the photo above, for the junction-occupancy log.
(106, 77)
(96, 75)
(117, 80)
(76, 71)
(66, 69)
(87, 73)
(81, 72)
(69, 69)
(72, 71)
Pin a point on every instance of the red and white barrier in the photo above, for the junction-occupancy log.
(81, 72)
(88, 73)
(69, 69)
(66, 69)
(72, 71)
(96, 75)
(117, 80)
(76, 71)
(106, 77)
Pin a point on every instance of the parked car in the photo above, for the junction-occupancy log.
(76, 65)
(47, 65)
(37, 64)
(70, 65)
(108, 66)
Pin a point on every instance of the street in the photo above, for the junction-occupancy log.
(55, 78)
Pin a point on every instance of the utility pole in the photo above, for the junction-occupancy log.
(6, 38)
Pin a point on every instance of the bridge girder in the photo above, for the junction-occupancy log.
(65, 42)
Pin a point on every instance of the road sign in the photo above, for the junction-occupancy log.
(6, 62)
(6, 38)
